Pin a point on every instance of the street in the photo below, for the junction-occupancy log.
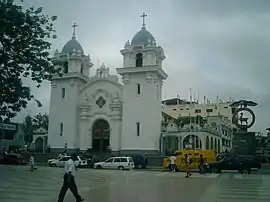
(20, 185)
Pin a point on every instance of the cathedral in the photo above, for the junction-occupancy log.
(100, 112)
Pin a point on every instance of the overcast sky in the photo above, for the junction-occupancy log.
(212, 46)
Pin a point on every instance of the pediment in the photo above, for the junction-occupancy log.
(171, 127)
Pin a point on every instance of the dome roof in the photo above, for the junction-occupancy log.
(71, 45)
(142, 37)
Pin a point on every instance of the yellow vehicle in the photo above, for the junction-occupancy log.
(194, 155)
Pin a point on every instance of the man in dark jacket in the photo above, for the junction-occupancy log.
(201, 164)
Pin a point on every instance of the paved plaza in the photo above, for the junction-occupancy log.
(20, 185)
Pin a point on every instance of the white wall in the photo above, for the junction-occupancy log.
(144, 108)
(63, 110)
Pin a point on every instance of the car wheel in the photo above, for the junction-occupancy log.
(54, 165)
(51, 165)
(140, 166)
(120, 168)
(99, 166)
(215, 170)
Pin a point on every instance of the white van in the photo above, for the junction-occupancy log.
(60, 162)
(120, 163)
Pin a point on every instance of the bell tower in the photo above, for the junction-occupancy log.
(75, 69)
(142, 76)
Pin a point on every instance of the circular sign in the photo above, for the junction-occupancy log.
(244, 123)
(190, 141)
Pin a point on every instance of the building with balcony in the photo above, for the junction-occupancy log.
(185, 127)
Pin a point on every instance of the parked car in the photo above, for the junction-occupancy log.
(229, 163)
(12, 160)
(60, 162)
(253, 160)
(91, 159)
(254, 163)
(120, 163)
(140, 161)
(50, 161)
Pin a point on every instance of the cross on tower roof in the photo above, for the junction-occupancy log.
(143, 17)
(74, 29)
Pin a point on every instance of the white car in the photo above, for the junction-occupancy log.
(50, 161)
(120, 163)
(60, 161)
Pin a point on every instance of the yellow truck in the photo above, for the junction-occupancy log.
(194, 155)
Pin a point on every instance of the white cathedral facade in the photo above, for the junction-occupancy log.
(98, 112)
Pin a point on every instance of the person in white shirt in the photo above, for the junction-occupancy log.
(173, 166)
(187, 164)
(32, 163)
(69, 180)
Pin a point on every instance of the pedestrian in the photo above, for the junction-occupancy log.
(32, 163)
(187, 163)
(201, 164)
(69, 180)
(172, 165)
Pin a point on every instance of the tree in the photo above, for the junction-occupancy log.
(28, 129)
(31, 124)
(25, 36)
(41, 121)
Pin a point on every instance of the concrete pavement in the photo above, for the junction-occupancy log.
(20, 185)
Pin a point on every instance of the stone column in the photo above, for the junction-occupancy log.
(161, 145)
(179, 142)
(84, 138)
(116, 128)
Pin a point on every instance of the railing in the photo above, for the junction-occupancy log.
(197, 130)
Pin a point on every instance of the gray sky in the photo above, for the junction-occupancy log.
(212, 46)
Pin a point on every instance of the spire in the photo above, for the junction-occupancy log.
(143, 18)
(74, 30)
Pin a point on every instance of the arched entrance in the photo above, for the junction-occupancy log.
(39, 144)
(192, 141)
(100, 135)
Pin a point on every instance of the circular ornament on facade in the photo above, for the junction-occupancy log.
(244, 123)
(190, 141)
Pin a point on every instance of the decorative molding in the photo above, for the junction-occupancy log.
(105, 92)
(154, 76)
(126, 78)
(100, 102)
(115, 98)
(53, 84)
(148, 77)
(161, 83)
(72, 82)
(85, 111)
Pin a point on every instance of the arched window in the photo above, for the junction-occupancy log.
(139, 60)
(66, 67)
(81, 68)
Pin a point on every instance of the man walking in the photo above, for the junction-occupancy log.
(32, 163)
(201, 164)
(173, 166)
(187, 163)
(69, 180)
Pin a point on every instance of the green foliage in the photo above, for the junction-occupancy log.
(25, 36)
(183, 120)
(41, 121)
(28, 129)
(31, 124)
